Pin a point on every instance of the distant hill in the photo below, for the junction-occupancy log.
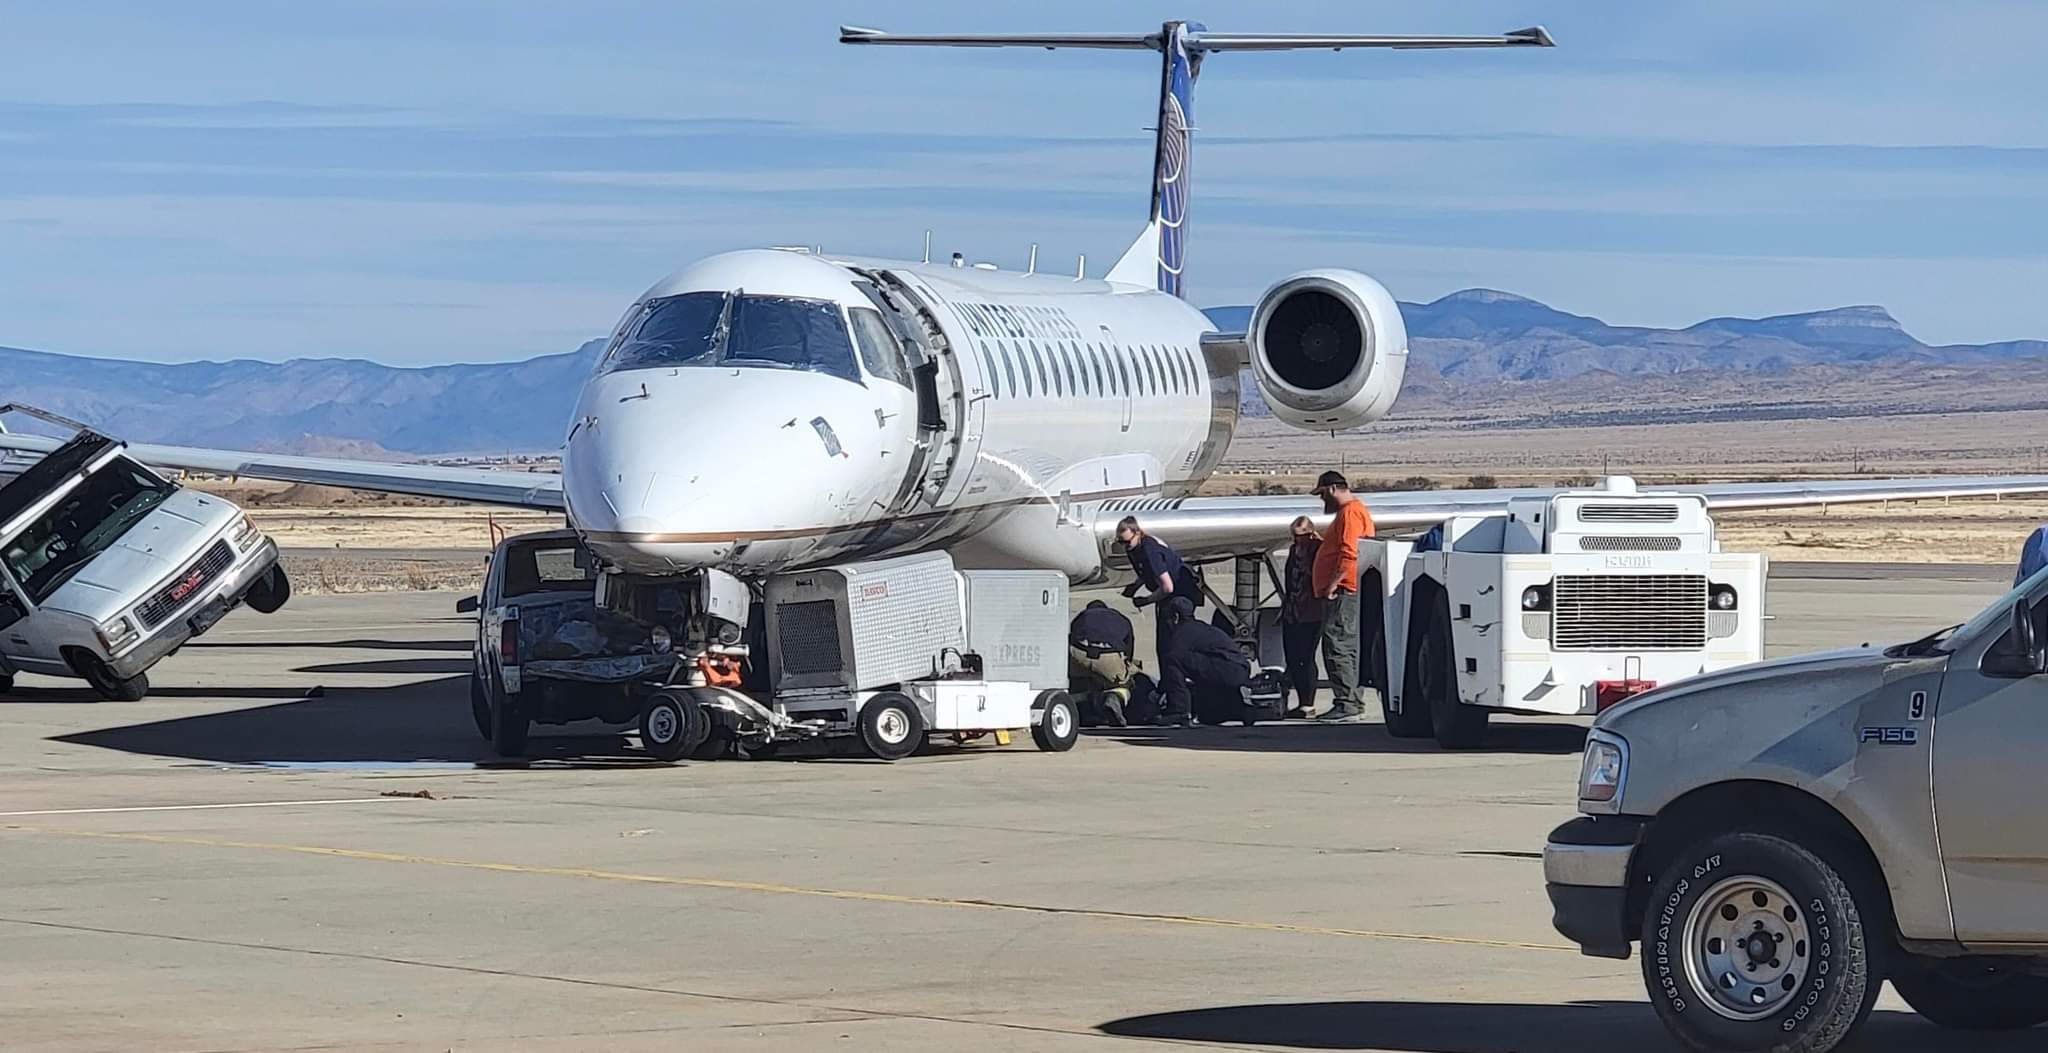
(349, 407)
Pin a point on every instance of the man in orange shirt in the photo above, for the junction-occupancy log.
(1335, 580)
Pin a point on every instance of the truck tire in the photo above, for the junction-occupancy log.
(1412, 721)
(1059, 726)
(1753, 942)
(1457, 726)
(509, 724)
(1973, 994)
(891, 727)
(6, 682)
(106, 684)
(672, 724)
(480, 705)
(270, 592)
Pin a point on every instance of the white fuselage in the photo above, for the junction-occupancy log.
(1046, 395)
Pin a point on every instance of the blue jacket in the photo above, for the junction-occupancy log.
(2033, 555)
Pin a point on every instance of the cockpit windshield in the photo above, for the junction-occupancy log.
(735, 331)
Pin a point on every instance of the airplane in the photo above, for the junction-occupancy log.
(769, 410)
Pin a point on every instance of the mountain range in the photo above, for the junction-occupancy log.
(353, 407)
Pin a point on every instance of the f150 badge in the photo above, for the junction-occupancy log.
(1890, 736)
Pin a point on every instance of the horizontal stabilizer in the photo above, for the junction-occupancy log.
(1198, 40)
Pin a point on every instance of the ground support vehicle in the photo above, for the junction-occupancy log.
(1782, 838)
(886, 653)
(107, 568)
(1566, 603)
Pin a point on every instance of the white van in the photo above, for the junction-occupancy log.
(107, 567)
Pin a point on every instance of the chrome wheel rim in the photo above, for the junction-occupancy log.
(1748, 948)
(1059, 720)
(892, 726)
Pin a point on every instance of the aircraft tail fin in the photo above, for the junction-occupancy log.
(1156, 257)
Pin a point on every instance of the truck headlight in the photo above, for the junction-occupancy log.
(246, 532)
(1602, 773)
(1722, 598)
(117, 634)
(1536, 598)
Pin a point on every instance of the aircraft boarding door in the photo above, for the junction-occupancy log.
(948, 440)
(1123, 383)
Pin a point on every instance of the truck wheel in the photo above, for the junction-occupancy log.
(1060, 726)
(1457, 726)
(509, 724)
(671, 725)
(891, 726)
(6, 682)
(1752, 942)
(1412, 722)
(270, 592)
(480, 705)
(1973, 994)
(107, 685)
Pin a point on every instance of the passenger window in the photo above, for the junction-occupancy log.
(1194, 369)
(879, 351)
(1123, 370)
(1044, 382)
(1067, 366)
(1150, 383)
(1052, 369)
(1081, 373)
(1095, 361)
(988, 370)
(1022, 367)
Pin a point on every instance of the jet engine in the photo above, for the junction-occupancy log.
(1328, 348)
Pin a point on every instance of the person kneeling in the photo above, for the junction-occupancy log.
(1203, 671)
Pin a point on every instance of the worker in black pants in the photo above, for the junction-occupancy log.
(1201, 669)
(1162, 576)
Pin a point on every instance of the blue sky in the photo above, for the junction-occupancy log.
(418, 183)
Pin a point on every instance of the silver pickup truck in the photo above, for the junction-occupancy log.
(1784, 837)
(107, 567)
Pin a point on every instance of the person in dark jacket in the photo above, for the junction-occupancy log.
(2033, 555)
(1100, 647)
(1161, 574)
(1301, 616)
(1201, 669)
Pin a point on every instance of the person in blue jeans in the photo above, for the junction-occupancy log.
(1162, 576)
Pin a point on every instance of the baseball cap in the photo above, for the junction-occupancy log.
(1328, 480)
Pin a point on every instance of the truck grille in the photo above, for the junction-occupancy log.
(191, 580)
(1623, 543)
(1629, 612)
(809, 637)
(1629, 513)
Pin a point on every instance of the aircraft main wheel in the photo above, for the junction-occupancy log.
(110, 687)
(672, 725)
(1973, 994)
(891, 726)
(1457, 726)
(480, 705)
(1060, 725)
(270, 592)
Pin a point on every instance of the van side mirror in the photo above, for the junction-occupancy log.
(466, 605)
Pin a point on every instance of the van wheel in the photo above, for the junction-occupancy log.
(480, 705)
(1752, 942)
(671, 725)
(1060, 726)
(509, 724)
(891, 726)
(107, 685)
(270, 592)
(1973, 994)
(1457, 726)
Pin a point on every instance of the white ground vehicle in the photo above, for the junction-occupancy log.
(888, 652)
(107, 567)
(1567, 603)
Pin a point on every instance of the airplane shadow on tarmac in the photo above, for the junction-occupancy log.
(1460, 1027)
(1300, 736)
(426, 721)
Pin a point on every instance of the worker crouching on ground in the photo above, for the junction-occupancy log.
(1335, 580)
(1100, 648)
(1162, 576)
(1201, 669)
(1301, 616)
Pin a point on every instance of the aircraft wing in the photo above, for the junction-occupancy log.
(1211, 528)
(489, 486)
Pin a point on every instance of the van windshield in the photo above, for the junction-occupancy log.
(736, 331)
(46, 552)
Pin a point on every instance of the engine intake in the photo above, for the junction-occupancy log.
(1328, 348)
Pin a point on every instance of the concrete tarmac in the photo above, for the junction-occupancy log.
(234, 865)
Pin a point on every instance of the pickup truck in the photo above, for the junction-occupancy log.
(106, 567)
(1782, 838)
(547, 653)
